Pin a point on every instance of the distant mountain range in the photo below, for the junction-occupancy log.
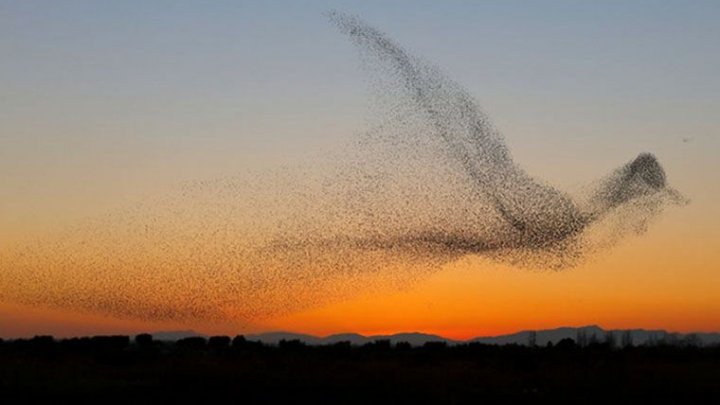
(587, 334)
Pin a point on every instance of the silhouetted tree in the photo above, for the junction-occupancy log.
(581, 338)
(610, 339)
(110, 343)
(144, 340)
(339, 348)
(651, 340)
(293, 344)
(39, 344)
(238, 341)
(532, 338)
(42, 340)
(191, 343)
(627, 339)
(404, 346)
(692, 340)
(435, 345)
(566, 344)
(219, 342)
(378, 345)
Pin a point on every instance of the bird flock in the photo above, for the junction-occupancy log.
(432, 182)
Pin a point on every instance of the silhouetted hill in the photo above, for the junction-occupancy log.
(415, 339)
(273, 338)
(583, 335)
(173, 335)
(595, 333)
(353, 338)
(542, 336)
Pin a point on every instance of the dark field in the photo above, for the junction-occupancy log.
(120, 369)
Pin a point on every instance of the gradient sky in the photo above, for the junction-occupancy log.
(105, 102)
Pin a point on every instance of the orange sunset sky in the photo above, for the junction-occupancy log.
(108, 104)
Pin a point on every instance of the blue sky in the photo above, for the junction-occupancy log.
(105, 99)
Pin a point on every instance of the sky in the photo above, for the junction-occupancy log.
(107, 102)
